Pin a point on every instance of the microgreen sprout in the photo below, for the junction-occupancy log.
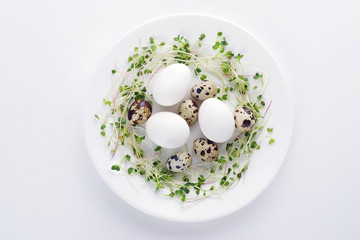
(209, 61)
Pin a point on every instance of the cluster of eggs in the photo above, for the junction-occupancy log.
(170, 130)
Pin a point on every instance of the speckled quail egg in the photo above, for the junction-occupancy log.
(244, 119)
(206, 149)
(139, 112)
(179, 162)
(189, 111)
(204, 90)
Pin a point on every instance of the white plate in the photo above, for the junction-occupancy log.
(266, 162)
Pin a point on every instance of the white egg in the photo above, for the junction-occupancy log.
(216, 120)
(167, 129)
(172, 84)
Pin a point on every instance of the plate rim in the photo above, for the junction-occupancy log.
(169, 218)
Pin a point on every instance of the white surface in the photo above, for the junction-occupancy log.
(170, 130)
(49, 189)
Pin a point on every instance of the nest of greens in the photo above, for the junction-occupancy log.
(238, 82)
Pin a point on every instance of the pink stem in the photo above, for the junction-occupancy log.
(154, 155)
(115, 96)
(209, 183)
(117, 144)
(155, 73)
(245, 75)
(268, 108)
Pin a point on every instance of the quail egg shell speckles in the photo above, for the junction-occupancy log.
(139, 112)
(189, 111)
(244, 119)
(204, 90)
(206, 149)
(179, 162)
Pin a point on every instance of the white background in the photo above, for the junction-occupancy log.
(49, 188)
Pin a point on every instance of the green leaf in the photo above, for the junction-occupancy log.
(257, 76)
(219, 34)
(157, 149)
(138, 138)
(115, 167)
(228, 146)
(271, 141)
(239, 56)
(113, 71)
(185, 189)
(216, 45)
(162, 44)
(130, 170)
(270, 130)
(202, 36)
(151, 40)
(107, 102)
(203, 77)
(179, 192)
(139, 97)
(229, 54)
(102, 133)
(103, 127)
(223, 43)
(127, 157)
(97, 117)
